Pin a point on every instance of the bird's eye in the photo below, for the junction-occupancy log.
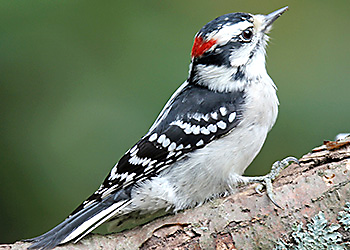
(247, 35)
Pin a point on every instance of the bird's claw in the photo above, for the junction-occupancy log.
(266, 180)
(278, 166)
(259, 188)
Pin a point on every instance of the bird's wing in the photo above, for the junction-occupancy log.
(190, 120)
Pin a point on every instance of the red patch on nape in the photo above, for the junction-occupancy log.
(200, 46)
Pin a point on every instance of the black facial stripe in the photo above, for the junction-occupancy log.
(212, 58)
(220, 56)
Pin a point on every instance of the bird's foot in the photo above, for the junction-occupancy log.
(266, 180)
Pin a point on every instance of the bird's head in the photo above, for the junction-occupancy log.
(232, 40)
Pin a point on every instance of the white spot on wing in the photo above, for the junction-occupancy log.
(135, 160)
(212, 128)
(179, 147)
(178, 123)
(214, 115)
(195, 129)
(133, 149)
(153, 137)
(163, 167)
(159, 164)
(88, 203)
(146, 162)
(123, 176)
(166, 142)
(223, 111)
(113, 174)
(199, 116)
(172, 146)
(200, 143)
(188, 130)
(170, 154)
(206, 117)
(205, 131)
(161, 139)
(152, 162)
(221, 124)
(150, 166)
(130, 177)
(183, 125)
(232, 116)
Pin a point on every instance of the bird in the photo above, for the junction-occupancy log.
(204, 138)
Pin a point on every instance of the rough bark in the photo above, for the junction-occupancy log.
(245, 220)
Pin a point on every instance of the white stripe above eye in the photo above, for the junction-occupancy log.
(230, 30)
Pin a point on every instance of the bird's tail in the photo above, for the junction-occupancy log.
(79, 224)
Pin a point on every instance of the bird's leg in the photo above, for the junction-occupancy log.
(266, 180)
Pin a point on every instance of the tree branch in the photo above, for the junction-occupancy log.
(244, 220)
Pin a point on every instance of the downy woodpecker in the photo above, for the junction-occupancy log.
(205, 137)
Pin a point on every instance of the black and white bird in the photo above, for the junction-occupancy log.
(205, 137)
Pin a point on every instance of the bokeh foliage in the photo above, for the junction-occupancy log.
(81, 81)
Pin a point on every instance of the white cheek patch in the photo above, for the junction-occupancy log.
(240, 57)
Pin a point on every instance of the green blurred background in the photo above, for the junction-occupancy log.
(81, 81)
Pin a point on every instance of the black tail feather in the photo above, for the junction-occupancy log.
(79, 224)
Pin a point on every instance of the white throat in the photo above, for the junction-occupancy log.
(234, 78)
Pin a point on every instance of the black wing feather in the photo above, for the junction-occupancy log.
(192, 119)
(195, 106)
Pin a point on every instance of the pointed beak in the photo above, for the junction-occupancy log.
(270, 18)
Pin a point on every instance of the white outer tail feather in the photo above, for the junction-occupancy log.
(95, 221)
(81, 223)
